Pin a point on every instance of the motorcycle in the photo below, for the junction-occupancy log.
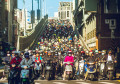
(25, 78)
(110, 69)
(91, 70)
(13, 76)
(69, 70)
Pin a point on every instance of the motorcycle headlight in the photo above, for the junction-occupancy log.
(109, 68)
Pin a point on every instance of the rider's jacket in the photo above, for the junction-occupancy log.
(16, 60)
(38, 58)
(26, 62)
(69, 59)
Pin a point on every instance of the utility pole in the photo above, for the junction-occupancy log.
(25, 18)
(40, 9)
(32, 13)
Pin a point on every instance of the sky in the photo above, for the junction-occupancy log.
(51, 5)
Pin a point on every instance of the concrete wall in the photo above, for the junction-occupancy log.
(28, 41)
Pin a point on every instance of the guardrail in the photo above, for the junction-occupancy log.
(28, 41)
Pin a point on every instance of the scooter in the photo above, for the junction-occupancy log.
(81, 68)
(110, 69)
(91, 70)
(69, 70)
(13, 76)
(48, 69)
(6, 69)
(25, 79)
(102, 67)
(38, 68)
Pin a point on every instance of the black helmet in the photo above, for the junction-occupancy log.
(27, 53)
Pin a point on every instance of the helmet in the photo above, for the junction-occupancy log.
(69, 52)
(91, 51)
(27, 53)
(82, 52)
(96, 51)
(103, 51)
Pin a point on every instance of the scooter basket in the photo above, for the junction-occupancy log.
(68, 68)
(25, 74)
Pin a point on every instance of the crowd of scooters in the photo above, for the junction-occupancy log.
(57, 55)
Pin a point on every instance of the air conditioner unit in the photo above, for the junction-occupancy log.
(106, 21)
(112, 24)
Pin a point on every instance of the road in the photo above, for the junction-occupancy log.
(73, 82)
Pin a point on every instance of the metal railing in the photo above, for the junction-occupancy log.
(82, 41)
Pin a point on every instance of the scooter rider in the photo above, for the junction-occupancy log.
(68, 58)
(16, 60)
(38, 59)
(6, 61)
(27, 61)
(109, 57)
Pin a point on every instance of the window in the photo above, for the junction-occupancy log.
(110, 6)
(67, 13)
(118, 1)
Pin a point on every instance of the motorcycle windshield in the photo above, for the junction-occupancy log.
(91, 67)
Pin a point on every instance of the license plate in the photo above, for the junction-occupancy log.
(48, 67)
(24, 80)
(68, 72)
(102, 66)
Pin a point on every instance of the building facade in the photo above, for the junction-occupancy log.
(98, 23)
(7, 22)
(65, 10)
(85, 21)
(108, 24)
(89, 31)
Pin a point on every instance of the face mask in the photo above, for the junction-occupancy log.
(8, 54)
(102, 53)
(27, 56)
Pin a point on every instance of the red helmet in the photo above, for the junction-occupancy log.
(82, 51)
(69, 52)
(91, 51)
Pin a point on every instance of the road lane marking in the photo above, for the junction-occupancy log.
(83, 83)
(59, 83)
(107, 83)
(37, 83)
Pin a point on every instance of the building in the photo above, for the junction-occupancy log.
(89, 31)
(108, 24)
(7, 22)
(56, 14)
(65, 11)
(98, 23)
(85, 21)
